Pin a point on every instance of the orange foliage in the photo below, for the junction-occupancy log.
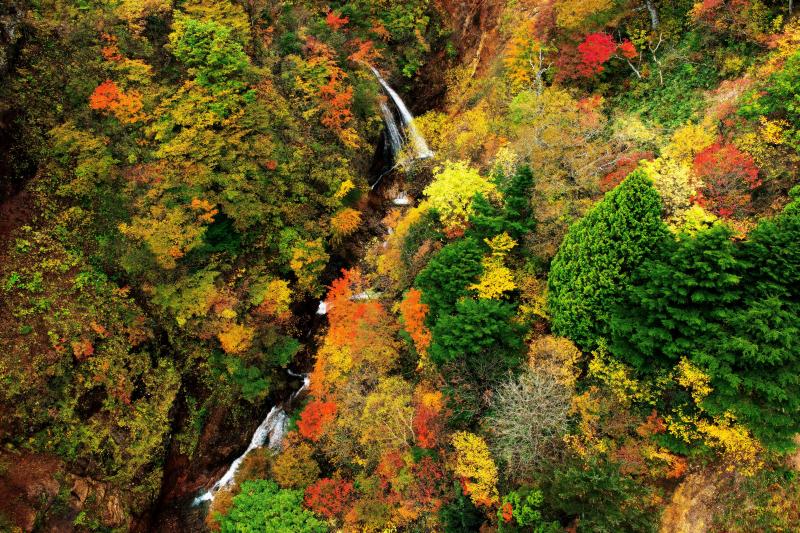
(334, 21)
(314, 419)
(414, 312)
(82, 349)
(110, 51)
(354, 324)
(365, 51)
(206, 209)
(345, 223)
(125, 107)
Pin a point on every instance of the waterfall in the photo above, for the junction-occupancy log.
(392, 131)
(269, 432)
(421, 150)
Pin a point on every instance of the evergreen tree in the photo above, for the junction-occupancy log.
(480, 334)
(446, 277)
(733, 312)
(591, 270)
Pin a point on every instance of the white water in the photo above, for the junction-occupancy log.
(322, 309)
(421, 149)
(269, 432)
(393, 132)
(402, 199)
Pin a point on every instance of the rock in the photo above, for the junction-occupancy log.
(113, 513)
(25, 517)
(80, 489)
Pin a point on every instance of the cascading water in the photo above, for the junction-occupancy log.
(269, 432)
(392, 131)
(417, 141)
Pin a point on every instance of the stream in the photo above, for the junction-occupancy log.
(407, 145)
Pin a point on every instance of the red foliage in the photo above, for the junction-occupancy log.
(729, 175)
(335, 21)
(315, 417)
(624, 166)
(329, 497)
(427, 426)
(596, 49)
(429, 485)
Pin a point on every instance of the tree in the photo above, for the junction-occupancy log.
(729, 175)
(452, 190)
(413, 313)
(262, 507)
(295, 467)
(732, 311)
(329, 497)
(529, 416)
(591, 270)
(603, 499)
(210, 51)
(476, 468)
(445, 278)
(315, 418)
(480, 335)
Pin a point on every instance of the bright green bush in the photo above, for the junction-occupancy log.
(262, 507)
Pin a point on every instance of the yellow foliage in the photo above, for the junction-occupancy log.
(689, 140)
(772, 131)
(167, 232)
(390, 263)
(617, 377)
(738, 447)
(345, 223)
(344, 189)
(236, 338)
(676, 184)
(557, 356)
(694, 379)
(451, 192)
(572, 14)
(496, 278)
(694, 219)
(475, 465)
(308, 261)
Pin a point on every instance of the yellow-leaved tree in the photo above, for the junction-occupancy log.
(452, 190)
(474, 464)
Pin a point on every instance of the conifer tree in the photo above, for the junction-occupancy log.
(591, 270)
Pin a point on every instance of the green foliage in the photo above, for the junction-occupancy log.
(460, 514)
(249, 380)
(482, 334)
(591, 270)
(210, 51)
(733, 311)
(778, 97)
(603, 499)
(448, 274)
(262, 507)
(525, 506)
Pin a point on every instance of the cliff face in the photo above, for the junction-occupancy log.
(475, 32)
(474, 24)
